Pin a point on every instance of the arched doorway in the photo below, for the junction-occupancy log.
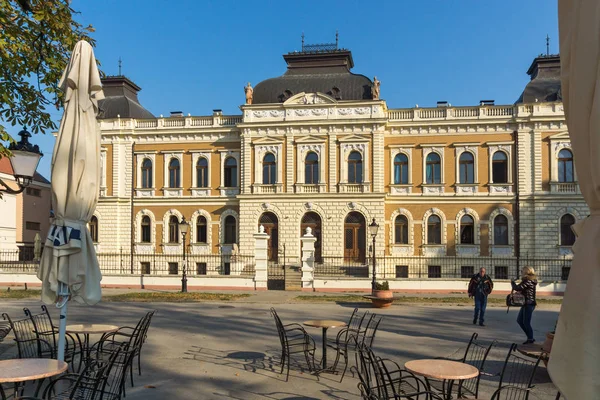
(354, 237)
(269, 221)
(312, 220)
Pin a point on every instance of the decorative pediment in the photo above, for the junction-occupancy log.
(354, 138)
(560, 136)
(268, 140)
(310, 98)
(311, 139)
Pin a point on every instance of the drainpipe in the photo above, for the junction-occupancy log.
(132, 222)
(517, 208)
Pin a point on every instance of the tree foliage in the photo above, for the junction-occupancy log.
(36, 40)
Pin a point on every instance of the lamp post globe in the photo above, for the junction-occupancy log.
(184, 227)
(24, 162)
(373, 228)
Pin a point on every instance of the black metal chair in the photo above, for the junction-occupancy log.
(384, 378)
(29, 345)
(516, 378)
(45, 330)
(476, 355)
(345, 340)
(294, 339)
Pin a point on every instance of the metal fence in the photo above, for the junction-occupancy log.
(123, 263)
(423, 267)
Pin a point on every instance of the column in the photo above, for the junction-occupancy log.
(308, 258)
(260, 257)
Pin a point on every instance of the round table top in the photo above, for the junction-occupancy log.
(324, 323)
(92, 328)
(442, 369)
(29, 369)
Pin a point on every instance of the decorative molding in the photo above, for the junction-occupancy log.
(268, 114)
(476, 226)
(411, 230)
(166, 217)
(194, 224)
(511, 226)
(138, 227)
(439, 213)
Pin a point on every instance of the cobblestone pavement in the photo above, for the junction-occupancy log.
(230, 350)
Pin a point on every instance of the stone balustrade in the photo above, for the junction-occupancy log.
(171, 122)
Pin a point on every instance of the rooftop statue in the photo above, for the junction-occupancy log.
(375, 88)
(249, 93)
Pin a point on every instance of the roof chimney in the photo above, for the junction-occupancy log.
(442, 104)
(176, 113)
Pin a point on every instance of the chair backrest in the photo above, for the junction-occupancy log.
(476, 355)
(143, 332)
(280, 328)
(518, 372)
(28, 344)
(43, 326)
(112, 382)
(369, 378)
(371, 330)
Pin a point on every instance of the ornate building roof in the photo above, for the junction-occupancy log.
(317, 68)
(545, 80)
(121, 99)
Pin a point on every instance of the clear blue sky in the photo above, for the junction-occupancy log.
(196, 56)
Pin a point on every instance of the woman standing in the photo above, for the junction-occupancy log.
(527, 288)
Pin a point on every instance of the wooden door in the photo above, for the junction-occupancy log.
(354, 237)
(269, 222)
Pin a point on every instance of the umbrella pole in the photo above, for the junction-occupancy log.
(62, 324)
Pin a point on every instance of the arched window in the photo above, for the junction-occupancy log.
(433, 169)
(401, 230)
(400, 169)
(201, 229)
(202, 172)
(147, 173)
(466, 167)
(230, 172)
(565, 166)
(174, 173)
(501, 230)
(434, 230)
(467, 230)
(355, 168)
(230, 235)
(146, 229)
(269, 169)
(311, 168)
(173, 229)
(94, 229)
(500, 167)
(567, 237)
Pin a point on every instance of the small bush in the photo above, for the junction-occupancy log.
(382, 285)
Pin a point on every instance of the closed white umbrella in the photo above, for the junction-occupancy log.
(575, 358)
(69, 267)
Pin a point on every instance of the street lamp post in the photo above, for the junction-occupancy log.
(24, 161)
(373, 228)
(184, 226)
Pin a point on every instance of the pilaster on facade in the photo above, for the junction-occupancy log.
(289, 163)
(378, 161)
(245, 166)
(333, 150)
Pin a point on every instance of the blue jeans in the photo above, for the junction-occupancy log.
(524, 320)
(480, 305)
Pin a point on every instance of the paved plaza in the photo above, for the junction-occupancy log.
(229, 350)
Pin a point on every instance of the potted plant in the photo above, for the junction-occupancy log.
(382, 296)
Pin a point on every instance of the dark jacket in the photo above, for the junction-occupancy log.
(480, 285)
(527, 287)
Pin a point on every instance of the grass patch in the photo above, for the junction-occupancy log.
(20, 294)
(412, 300)
(173, 297)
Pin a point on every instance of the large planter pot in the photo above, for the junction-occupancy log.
(382, 298)
(547, 346)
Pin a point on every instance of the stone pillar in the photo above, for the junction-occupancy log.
(308, 258)
(260, 257)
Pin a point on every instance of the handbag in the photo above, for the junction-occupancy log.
(514, 299)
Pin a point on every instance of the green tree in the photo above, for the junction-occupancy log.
(36, 40)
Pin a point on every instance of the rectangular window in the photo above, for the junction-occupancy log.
(499, 172)
(173, 268)
(466, 173)
(434, 271)
(467, 272)
(227, 268)
(32, 226)
(33, 192)
(145, 267)
(200, 268)
(500, 272)
(565, 273)
(401, 271)
(434, 174)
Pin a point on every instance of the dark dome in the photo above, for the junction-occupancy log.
(325, 72)
(545, 81)
(120, 99)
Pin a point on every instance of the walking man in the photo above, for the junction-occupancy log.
(480, 287)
